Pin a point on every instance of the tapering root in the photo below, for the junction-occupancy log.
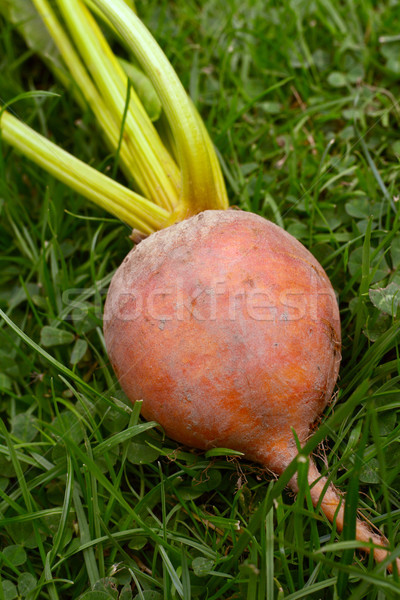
(332, 504)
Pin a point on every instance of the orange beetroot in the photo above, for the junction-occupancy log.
(228, 329)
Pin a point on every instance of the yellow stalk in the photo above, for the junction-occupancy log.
(159, 174)
(85, 85)
(125, 204)
(215, 166)
(201, 177)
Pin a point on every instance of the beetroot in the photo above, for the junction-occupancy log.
(228, 329)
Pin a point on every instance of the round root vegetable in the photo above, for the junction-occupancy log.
(229, 330)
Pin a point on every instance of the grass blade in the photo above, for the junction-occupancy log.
(85, 537)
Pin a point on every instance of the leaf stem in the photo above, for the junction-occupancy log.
(202, 184)
(144, 159)
(157, 174)
(83, 83)
(128, 206)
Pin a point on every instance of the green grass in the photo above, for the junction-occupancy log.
(300, 100)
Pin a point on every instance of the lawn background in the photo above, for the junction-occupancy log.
(300, 99)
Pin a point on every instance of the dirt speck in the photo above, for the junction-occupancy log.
(249, 281)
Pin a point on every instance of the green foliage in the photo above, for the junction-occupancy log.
(94, 503)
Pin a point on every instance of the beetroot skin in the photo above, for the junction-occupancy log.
(228, 329)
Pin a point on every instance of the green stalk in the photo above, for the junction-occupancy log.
(125, 204)
(201, 178)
